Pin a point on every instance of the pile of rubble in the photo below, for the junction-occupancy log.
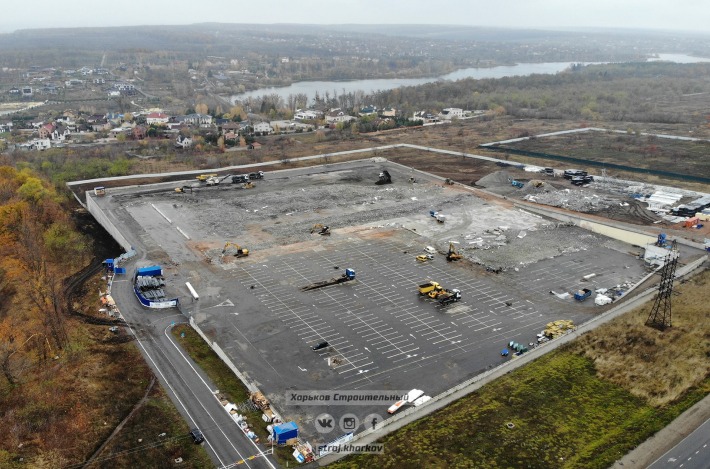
(506, 248)
(577, 200)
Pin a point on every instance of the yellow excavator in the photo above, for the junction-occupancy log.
(453, 255)
(205, 177)
(249, 185)
(321, 229)
(240, 252)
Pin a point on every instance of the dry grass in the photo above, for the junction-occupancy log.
(656, 366)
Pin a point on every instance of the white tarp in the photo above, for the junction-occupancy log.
(602, 300)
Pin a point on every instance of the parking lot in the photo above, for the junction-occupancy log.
(382, 335)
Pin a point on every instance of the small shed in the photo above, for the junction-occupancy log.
(285, 432)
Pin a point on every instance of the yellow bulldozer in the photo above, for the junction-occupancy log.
(321, 229)
(234, 248)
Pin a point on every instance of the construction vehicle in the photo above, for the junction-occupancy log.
(428, 287)
(346, 277)
(384, 178)
(439, 217)
(424, 257)
(183, 189)
(240, 179)
(448, 182)
(249, 185)
(449, 296)
(515, 183)
(321, 229)
(453, 255)
(205, 177)
(215, 180)
(99, 191)
(257, 175)
(239, 251)
(582, 294)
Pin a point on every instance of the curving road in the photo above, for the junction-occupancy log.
(189, 388)
(693, 452)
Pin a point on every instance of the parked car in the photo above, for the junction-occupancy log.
(320, 345)
(197, 436)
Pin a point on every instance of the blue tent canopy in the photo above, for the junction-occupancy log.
(285, 432)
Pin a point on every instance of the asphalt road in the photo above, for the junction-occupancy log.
(693, 452)
(188, 387)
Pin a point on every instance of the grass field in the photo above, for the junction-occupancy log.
(642, 151)
(585, 405)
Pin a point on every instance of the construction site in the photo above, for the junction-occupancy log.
(371, 275)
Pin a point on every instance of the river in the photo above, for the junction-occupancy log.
(310, 88)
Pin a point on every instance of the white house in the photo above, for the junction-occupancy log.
(305, 115)
(451, 113)
(263, 128)
(183, 142)
(203, 120)
(337, 115)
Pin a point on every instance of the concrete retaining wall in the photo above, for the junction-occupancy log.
(104, 221)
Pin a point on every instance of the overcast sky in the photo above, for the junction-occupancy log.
(689, 15)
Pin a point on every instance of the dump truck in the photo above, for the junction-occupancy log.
(428, 287)
(439, 217)
(257, 175)
(582, 294)
(240, 179)
(346, 277)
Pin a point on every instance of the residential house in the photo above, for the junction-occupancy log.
(368, 111)
(46, 131)
(183, 142)
(262, 128)
(305, 115)
(451, 113)
(7, 127)
(337, 115)
(114, 118)
(201, 120)
(230, 127)
(36, 144)
(426, 116)
(125, 87)
(157, 118)
(388, 112)
(139, 132)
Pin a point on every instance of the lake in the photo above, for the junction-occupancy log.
(310, 88)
